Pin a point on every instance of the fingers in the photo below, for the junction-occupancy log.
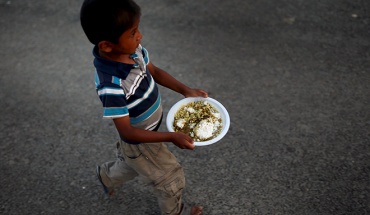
(190, 143)
(187, 145)
(195, 93)
(205, 94)
(191, 146)
(202, 93)
(184, 141)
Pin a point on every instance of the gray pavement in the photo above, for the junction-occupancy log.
(294, 76)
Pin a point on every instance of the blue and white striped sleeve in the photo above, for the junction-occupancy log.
(114, 101)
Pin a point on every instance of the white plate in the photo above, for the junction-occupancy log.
(223, 112)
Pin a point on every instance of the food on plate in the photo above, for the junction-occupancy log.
(198, 119)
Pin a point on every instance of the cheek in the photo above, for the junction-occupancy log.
(134, 42)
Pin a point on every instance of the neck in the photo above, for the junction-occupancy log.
(123, 58)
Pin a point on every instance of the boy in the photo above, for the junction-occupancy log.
(126, 85)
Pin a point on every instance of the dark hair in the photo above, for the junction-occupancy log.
(107, 19)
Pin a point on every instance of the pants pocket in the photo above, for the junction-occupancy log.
(172, 184)
(130, 150)
(175, 187)
(153, 148)
(169, 191)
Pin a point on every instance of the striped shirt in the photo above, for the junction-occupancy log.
(128, 90)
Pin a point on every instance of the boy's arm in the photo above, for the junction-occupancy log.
(132, 134)
(166, 80)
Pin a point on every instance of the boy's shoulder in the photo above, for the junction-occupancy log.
(104, 80)
(108, 69)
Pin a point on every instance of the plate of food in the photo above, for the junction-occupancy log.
(204, 119)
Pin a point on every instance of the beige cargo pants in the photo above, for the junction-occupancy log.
(155, 164)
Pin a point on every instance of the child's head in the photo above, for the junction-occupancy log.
(108, 19)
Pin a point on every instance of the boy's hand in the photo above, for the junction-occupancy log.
(195, 93)
(182, 140)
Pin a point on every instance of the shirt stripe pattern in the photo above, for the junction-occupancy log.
(114, 81)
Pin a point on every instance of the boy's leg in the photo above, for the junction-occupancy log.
(159, 167)
(115, 173)
(168, 190)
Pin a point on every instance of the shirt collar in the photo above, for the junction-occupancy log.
(118, 69)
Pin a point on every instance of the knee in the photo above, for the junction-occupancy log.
(173, 184)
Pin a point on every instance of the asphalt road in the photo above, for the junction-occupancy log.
(294, 76)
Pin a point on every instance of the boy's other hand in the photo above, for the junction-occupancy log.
(195, 93)
(182, 140)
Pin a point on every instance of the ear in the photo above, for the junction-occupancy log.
(105, 46)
